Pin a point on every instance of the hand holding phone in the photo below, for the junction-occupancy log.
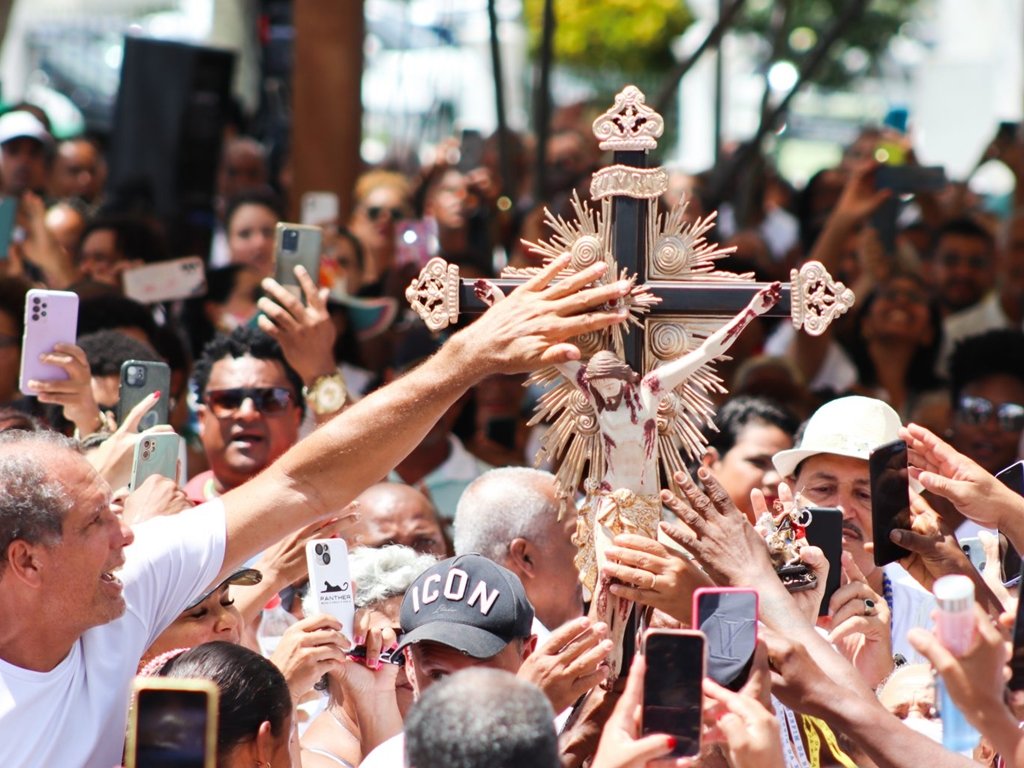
(890, 499)
(295, 245)
(156, 454)
(140, 379)
(673, 699)
(329, 581)
(51, 317)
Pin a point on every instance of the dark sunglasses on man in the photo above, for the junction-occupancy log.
(269, 401)
(976, 411)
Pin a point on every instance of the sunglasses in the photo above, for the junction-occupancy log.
(267, 400)
(977, 411)
(374, 212)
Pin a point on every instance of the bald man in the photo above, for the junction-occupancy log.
(395, 513)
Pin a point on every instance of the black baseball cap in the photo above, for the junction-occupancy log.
(246, 577)
(468, 603)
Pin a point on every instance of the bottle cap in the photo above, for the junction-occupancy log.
(954, 593)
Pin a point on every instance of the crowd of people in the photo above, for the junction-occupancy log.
(334, 413)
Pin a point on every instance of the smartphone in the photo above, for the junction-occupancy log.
(415, 241)
(890, 499)
(974, 551)
(386, 657)
(728, 618)
(329, 582)
(50, 317)
(8, 210)
(471, 150)
(910, 179)
(1008, 131)
(319, 208)
(157, 454)
(294, 245)
(165, 281)
(1017, 655)
(172, 722)
(673, 696)
(826, 533)
(140, 379)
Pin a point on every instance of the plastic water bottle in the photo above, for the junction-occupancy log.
(955, 598)
(273, 624)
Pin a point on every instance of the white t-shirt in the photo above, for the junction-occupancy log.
(912, 606)
(76, 714)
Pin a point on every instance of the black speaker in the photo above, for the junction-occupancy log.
(168, 126)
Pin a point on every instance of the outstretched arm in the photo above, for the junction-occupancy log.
(670, 375)
(324, 472)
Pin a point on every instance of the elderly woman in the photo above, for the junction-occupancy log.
(340, 735)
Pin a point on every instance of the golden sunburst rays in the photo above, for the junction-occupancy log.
(587, 237)
(679, 250)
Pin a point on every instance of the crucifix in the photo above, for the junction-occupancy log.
(620, 421)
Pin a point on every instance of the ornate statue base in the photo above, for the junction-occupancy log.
(603, 517)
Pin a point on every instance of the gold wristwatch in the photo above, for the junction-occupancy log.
(327, 394)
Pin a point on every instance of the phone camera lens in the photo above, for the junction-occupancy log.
(327, 558)
(36, 299)
(35, 316)
(290, 240)
(43, 313)
(136, 376)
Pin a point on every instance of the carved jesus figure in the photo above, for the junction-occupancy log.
(626, 405)
(626, 498)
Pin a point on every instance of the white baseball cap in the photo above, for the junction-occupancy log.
(21, 124)
(849, 426)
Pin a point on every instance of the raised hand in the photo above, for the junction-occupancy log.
(570, 662)
(531, 327)
(858, 618)
(766, 298)
(308, 650)
(73, 393)
(305, 332)
(646, 571)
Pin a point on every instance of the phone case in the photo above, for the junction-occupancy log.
(8, 210)
(329, 582)
(165, 281)
(673, 695)
(50, 317)
(728, 618)
(1013, 477)
(156, 455)
(826, 533)
(189, 705)
(319, 208)
(974, 550)
(890, 499)
(296, 244)
(136, 386)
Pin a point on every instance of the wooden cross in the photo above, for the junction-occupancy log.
(670, 258)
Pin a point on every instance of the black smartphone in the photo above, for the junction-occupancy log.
(890, 499)
(728, 618)
(140, 379)
(502, 432)
(172, 723)
(1013, 478)
(910, 179)
(1007, 131)
(673, 696)
(471, 150)
(826, 532)
(1017, 656)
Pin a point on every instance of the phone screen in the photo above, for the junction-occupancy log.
(728, 619)
(826, 533)
(171, 729)
(1017, 657)
(890, 499)
(673, 696)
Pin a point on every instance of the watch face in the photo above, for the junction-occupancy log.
(329, 395)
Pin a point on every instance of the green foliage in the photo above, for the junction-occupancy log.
(629, 35)
(871, 33)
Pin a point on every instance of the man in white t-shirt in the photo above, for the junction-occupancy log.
(72, 631)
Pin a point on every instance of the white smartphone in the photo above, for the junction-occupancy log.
(974, 550)
(165, 280)
(319, 208)
(329, 582)
(50, 317)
